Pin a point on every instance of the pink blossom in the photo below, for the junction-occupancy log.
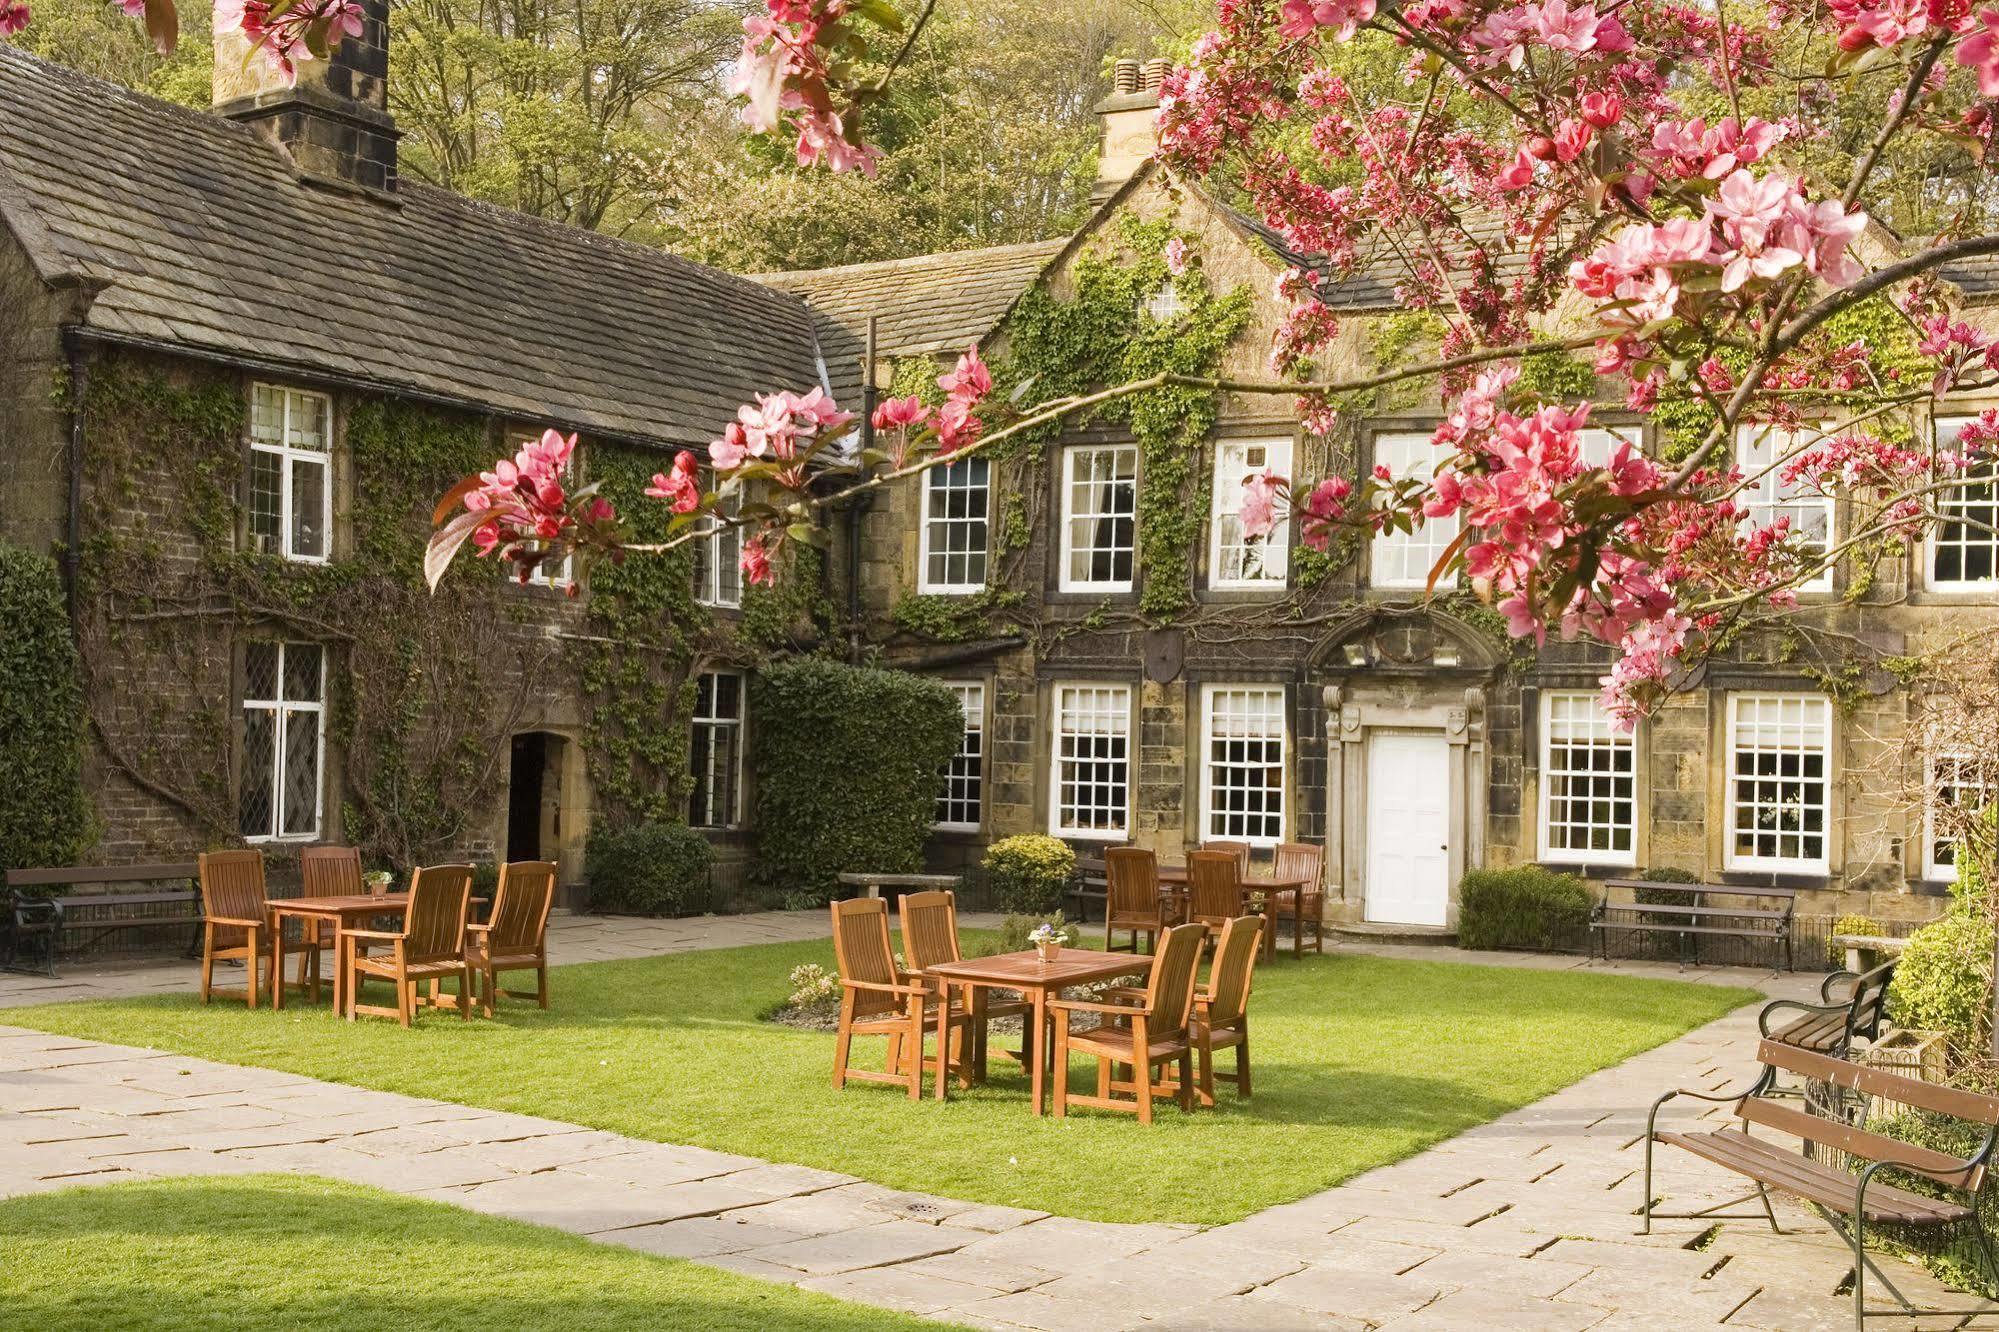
(1980, 51)
(1257, 511)
(1571, 138)
(901, 413)
(1751, 213)
(678, 485)
(1299, 18)
(1176, 256)
(1632, 473)
(957, 426)
(1324, 507)
(969, 380)
(13, 17)
(1601, 109)
(1517, 174)
(755, 559)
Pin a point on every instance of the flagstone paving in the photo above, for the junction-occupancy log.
(1524, 1222)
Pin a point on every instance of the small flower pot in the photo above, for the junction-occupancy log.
(1050, 949)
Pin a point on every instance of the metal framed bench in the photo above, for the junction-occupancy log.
(1831, 1026)
(1089, 883)
(38, 923)
(1847, 1200)
(1769, 921)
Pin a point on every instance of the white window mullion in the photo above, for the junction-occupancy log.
(1780, 782)
(957, 499)
(1242, 763)
(1404, 560)
(1761, 452)
(1959, 779)
(1964, 544)
(1588, 783)
(961, 804)
(284, 706)
(1099, 518)
(1233, 560)
(1090, 764)
(281, 440)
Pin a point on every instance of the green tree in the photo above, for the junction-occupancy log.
(95, 37)
(45, 818)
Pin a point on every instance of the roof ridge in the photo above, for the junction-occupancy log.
(150, 102)
(1022, 247)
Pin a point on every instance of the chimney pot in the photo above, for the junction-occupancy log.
(1155, 73)
(1124, 76)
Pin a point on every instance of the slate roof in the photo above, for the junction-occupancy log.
(441, 297)
(928, 304)
(1977, 278)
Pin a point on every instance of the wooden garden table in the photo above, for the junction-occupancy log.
(1173, 884)
(344, 914)
(1038, 982)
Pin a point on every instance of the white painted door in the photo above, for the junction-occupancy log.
(1408, 828)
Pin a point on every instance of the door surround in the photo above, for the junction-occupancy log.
(1353, 710)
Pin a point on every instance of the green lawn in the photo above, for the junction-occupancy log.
(1359, 1062)
(307, 1254)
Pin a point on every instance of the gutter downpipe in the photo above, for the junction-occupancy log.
(72, 552)
(860, 504)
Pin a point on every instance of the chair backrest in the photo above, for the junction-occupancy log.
(861, 951)
(1131, 878)
(1240, 850)
(1214, 885)
(232, 884)
(1301, 860)
(1870, 997)
(330, 871)
(929, 927)
(1229, 974)
(520, 906)
(434, 925)
(1169, 992)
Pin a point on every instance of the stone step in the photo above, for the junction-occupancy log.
(1368, 931)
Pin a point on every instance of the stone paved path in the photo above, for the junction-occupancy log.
(1526, 1222)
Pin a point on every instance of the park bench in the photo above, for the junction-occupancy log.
(37, 923)
(1697, 915)
(1830, 1027)
(1848, 1200)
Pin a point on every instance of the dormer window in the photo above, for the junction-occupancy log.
(1165, 304)
(291, 472)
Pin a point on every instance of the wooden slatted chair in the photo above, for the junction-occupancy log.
(1221, 1008)
(878, 999)
(234, 920)
(1240, 850)
(1295, 859)
(929, 938)
(1214, 889)
(1137, 1036)
(324, 871)
(430, 946)
(515, 936)
(1131, 878)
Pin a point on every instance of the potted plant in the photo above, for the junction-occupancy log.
(377, 881)
(1048, 939)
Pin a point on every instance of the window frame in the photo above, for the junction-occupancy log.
(972, 700)
(1277, 460)
(708, 568)
(562, 573)
(1066, 549)
(1448, 527)
(1056, 825)
(1209, 693)
(927, 520)
(282, 710)
(1627, 744)
(287, 454)
(1934, 870)
(1731, 826)
(736, 817)
(1783, 444)
(1932, 546)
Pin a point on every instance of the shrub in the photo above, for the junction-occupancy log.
(1029, 873)
(814, 990)
(848, 764)
(45, 817)
(653, 869)
(1014, 930)
(1948, 1251)
(1940, 984)
(1523, 907)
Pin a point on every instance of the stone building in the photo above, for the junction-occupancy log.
(1280, 695)
(239, 357)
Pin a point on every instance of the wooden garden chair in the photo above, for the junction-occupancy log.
(1136, 1036)
(1221, 1007)
(1240, 850)
(515, 936)
(430, 946)
(324, 871)
(1131, 878)
(1214, 889)
(877, 999)
(233, 919)
(930, 938)
(1303, 859)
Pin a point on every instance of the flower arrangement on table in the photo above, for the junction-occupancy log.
(1049, 939)
(377, 881)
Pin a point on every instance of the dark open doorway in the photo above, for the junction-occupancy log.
(528, 769)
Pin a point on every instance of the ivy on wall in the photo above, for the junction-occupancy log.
(45, 818)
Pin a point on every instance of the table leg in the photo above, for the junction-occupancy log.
(343, 951)
(1297, 922)
(277, 962)
(1042, 1046)
(977, 995)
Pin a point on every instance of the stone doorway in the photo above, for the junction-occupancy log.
(548, 805)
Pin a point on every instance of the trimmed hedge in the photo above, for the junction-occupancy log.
(649, 869)
(1028, 874)
(1524, 907)
(848, 764)
(45, 817)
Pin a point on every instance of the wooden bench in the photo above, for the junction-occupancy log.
(1089, 883)
(1847, 1200)
(42, 920)
(1697, 916)
(1830, 1027)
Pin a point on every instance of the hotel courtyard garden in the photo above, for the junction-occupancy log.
(1311, 664)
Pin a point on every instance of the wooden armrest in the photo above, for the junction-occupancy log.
(1087, 1006)
(480, 928)
(878, 988)
(383, 935)
(231, 920)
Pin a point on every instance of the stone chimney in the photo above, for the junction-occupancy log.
(335, 122)
(1129, 136)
